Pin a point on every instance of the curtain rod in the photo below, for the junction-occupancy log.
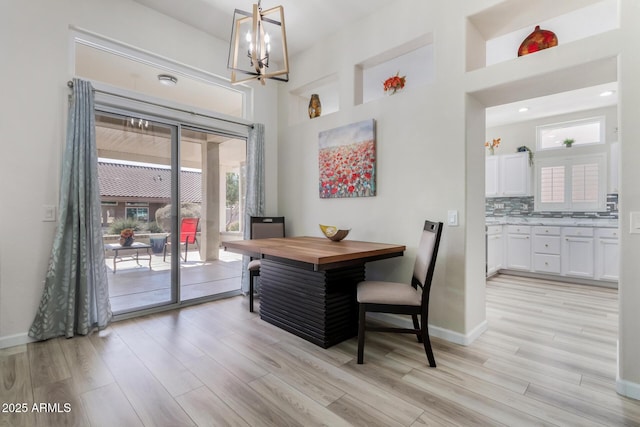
(70, 84)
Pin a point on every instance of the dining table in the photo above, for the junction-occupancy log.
(308, 284)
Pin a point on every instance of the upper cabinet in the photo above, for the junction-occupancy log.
(508, 175)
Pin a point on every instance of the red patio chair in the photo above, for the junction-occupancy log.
(188, 230)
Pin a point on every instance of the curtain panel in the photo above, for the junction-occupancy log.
(75, 299)
(255, 191)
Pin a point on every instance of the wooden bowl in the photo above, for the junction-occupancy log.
(334, 233)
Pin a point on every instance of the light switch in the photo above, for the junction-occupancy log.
(635, 222)
(48, 213)
(452, 218)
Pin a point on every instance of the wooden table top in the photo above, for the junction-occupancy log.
(318, 251)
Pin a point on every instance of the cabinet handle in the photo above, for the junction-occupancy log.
(527, 237)
(546, 245)
(546, 263)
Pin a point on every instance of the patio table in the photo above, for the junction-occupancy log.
(136, 246)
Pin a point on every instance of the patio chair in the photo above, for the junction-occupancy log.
(262, 227)
(403, 298)
(188, 230)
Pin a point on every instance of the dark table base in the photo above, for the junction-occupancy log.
(319, 306)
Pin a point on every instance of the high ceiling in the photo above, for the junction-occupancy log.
(306, 21)
(327, 17)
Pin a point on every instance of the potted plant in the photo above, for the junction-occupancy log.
(568, 142)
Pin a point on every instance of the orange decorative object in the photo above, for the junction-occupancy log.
(538, 40)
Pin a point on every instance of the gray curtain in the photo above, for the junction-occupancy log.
(254, 204)
(76, 293)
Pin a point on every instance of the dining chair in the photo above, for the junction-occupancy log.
(262, 227)
(403, 298)
(188, 231)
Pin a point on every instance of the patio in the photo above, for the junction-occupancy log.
(134, 286)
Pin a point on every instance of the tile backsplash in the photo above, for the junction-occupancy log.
(523, 207)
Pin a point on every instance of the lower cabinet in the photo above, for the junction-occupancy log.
(577, 252)
(581, 252)
(519, 247)
(546, 249)
(495, 249)
(607, 253)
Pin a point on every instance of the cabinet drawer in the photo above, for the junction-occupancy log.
(494, 229)
(578, 231)
(546, 245)
(608, 232)
(546, 231)
(519, 229)
(546, 263)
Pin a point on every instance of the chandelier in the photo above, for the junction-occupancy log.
(258, 47)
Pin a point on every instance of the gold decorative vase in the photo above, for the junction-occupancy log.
(315, 107)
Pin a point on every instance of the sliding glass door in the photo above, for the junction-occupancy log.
(213, 160)
(168, 183)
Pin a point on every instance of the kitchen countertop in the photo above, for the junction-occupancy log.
(559, 222)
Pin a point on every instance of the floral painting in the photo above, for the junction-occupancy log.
(347, 160)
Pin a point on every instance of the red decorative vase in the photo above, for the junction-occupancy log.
(537, 40)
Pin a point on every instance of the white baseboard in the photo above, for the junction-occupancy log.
(628, 389)
(13, 340)
(435, 331)
(457, 337)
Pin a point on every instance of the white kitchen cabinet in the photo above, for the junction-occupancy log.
(577, 252)
(495, 249)
(508, 175)
(546, 249)
(492, 176)
(519, 247)
(607, 254)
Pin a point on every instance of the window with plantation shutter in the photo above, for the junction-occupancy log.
(552, 184)
(574, 183)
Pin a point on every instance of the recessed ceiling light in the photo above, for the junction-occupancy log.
(523, 110)
(167, 79)
(607, 93)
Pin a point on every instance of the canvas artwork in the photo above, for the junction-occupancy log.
(347, 160)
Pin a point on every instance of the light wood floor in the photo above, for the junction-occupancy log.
(548, 358)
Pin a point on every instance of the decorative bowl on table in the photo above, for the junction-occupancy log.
(333, 232)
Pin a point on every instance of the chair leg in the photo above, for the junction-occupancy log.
(427, 343)
(416, 326)
(164, 255)
(186, 249)
(361, 328)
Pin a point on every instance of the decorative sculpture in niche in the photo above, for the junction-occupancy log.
(315, 108)
(537, 40)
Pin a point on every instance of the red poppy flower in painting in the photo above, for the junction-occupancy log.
(347, 161)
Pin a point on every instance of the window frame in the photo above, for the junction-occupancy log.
(568, 162)
(600, 120)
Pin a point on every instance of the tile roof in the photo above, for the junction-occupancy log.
(146, 182)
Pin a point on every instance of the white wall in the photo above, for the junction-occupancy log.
(421, 154)
(37, 57)
(629, 286)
